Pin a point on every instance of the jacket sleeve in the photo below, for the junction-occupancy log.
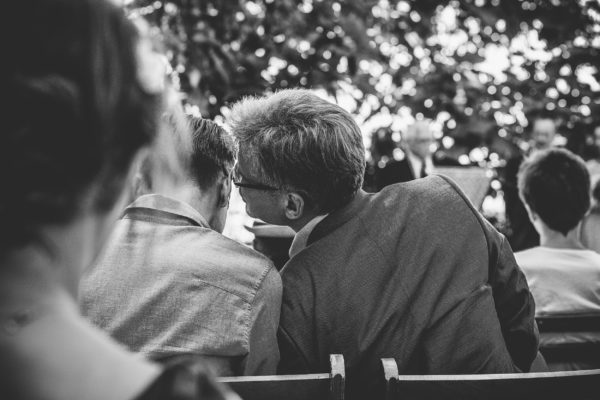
(514, 303)
(467, 339)
(292, 361)
(295, 328)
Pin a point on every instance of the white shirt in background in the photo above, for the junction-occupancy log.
(562, 281)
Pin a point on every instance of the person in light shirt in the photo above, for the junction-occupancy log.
(562, 274)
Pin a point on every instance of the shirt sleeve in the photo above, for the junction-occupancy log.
(263, 354)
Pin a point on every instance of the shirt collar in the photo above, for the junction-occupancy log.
(301, 238)
(157, 202)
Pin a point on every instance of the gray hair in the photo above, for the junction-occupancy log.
(303, 143)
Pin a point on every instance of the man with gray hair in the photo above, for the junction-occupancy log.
(412, 272)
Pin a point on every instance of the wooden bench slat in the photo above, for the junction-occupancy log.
(570, 341)
(292, 387)
(569, 323)
(566, 385)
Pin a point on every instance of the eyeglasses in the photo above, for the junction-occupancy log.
(247, 185)
(257, 186)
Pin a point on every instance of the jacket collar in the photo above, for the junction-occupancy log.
(151, 203)
(339, 217)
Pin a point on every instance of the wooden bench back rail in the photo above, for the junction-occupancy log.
(569, 323)
(568, 385)
(582, 346)
(293, 387)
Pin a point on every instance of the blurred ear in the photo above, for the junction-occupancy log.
(532, 215)
(138, 182)
(295, 204)
(139, 187)
(224, 191)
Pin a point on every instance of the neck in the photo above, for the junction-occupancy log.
(58, 355)
(45, 341)
(32, 278)
(54, 262)
(554, 239)
(300, 223)
(203, 201)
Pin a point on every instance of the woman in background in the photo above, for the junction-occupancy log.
(76, 116)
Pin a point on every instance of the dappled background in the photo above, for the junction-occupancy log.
(477, 68)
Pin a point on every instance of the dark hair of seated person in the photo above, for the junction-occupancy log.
(213, 152)
(76, 115)
(555, 184)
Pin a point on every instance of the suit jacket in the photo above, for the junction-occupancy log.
(167, 285)
(412, 272)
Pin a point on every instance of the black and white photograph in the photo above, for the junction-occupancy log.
(300, 200)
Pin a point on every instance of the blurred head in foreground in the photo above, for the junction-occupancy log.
(82, 99)
(76, 115)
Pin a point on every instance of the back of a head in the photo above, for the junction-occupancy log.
(74, 113)
(304, 143)
(555, 184)
(213, 152)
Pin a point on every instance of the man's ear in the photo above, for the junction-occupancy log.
(532, 215)
(224, 191)
(294, 207)
(138, 182)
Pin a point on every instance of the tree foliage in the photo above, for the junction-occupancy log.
(476, 67)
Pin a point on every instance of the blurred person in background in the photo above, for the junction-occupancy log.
(563, 275)
(77, 119)
(417, 162)
(169, 283)
(522, 234)
(419, 159)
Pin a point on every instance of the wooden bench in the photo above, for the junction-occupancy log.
(329, 386)
(570, 340)
(566, 385)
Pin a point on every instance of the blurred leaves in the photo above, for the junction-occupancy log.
(477, 67)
